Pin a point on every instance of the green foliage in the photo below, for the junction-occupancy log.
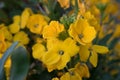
(6, 55)
(20, 64)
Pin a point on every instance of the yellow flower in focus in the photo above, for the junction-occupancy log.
(22, 37)
(91, 51)
(59, 55)
(91, 20)
(82, 32)
(71, 75)
(2, 43)
(25, 16)
(36, 23)
(52, 30)
(64, 3)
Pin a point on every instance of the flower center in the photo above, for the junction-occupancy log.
(90, 49)
(61, 52)
(36, 25)
(71, 73)
(80, 36)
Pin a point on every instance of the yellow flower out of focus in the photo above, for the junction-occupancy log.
(22, 37)
(64, 3)
(82, 32)
(86, 50)
(6, 32)
(36, 23)
(52, 30)
(25, 16)
(55, 78)
(15, 26)
(2, 43)
(16, 19)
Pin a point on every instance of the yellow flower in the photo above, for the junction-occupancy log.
(91, 51)
(55, 78)
(2, 43)
(59, 55)
(116, 33)
(53, 29)
(7, 66)
(91, 20)
(38, 51)
(82, 32)
(16, 19)
(82, 70)
(7, 34)
(25, 16)
(14, 28)
(64, 3)
(22, 37)
(112, 8)
(36, 23)
(71, 75)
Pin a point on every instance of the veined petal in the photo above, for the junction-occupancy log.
(70, 47)
(94, 58)
(65, 58)
(100, 49)
(51, 57)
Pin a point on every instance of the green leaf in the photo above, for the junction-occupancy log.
(3, 76)
(20, 64)
(5, 56)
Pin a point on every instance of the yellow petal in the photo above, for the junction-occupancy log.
(14, 28)
(64, 3)
(84, 53)
(71, 47)
(82, 70)
(89, 34)
(51, 57)
(63, 61)
(100, 49)
(94, 59)
(38, 51)
(24, 18)
(70, 76)
(16, 19)
(55, 78)
(53, 29)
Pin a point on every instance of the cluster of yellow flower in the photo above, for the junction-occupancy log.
(52, 47)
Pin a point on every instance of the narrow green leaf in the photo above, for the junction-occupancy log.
(20, 64)
(5, 56)
(3, 76)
